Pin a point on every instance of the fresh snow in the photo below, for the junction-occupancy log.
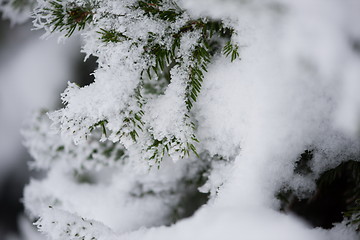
(295, 88)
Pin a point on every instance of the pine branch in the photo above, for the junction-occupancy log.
(231, 50)
(112, 36)
(161, 57)
(69, 17)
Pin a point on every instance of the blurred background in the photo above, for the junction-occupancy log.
(33, 73)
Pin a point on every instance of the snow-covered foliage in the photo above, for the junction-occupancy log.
(163, 89)
(107, 183)
(136, 43)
